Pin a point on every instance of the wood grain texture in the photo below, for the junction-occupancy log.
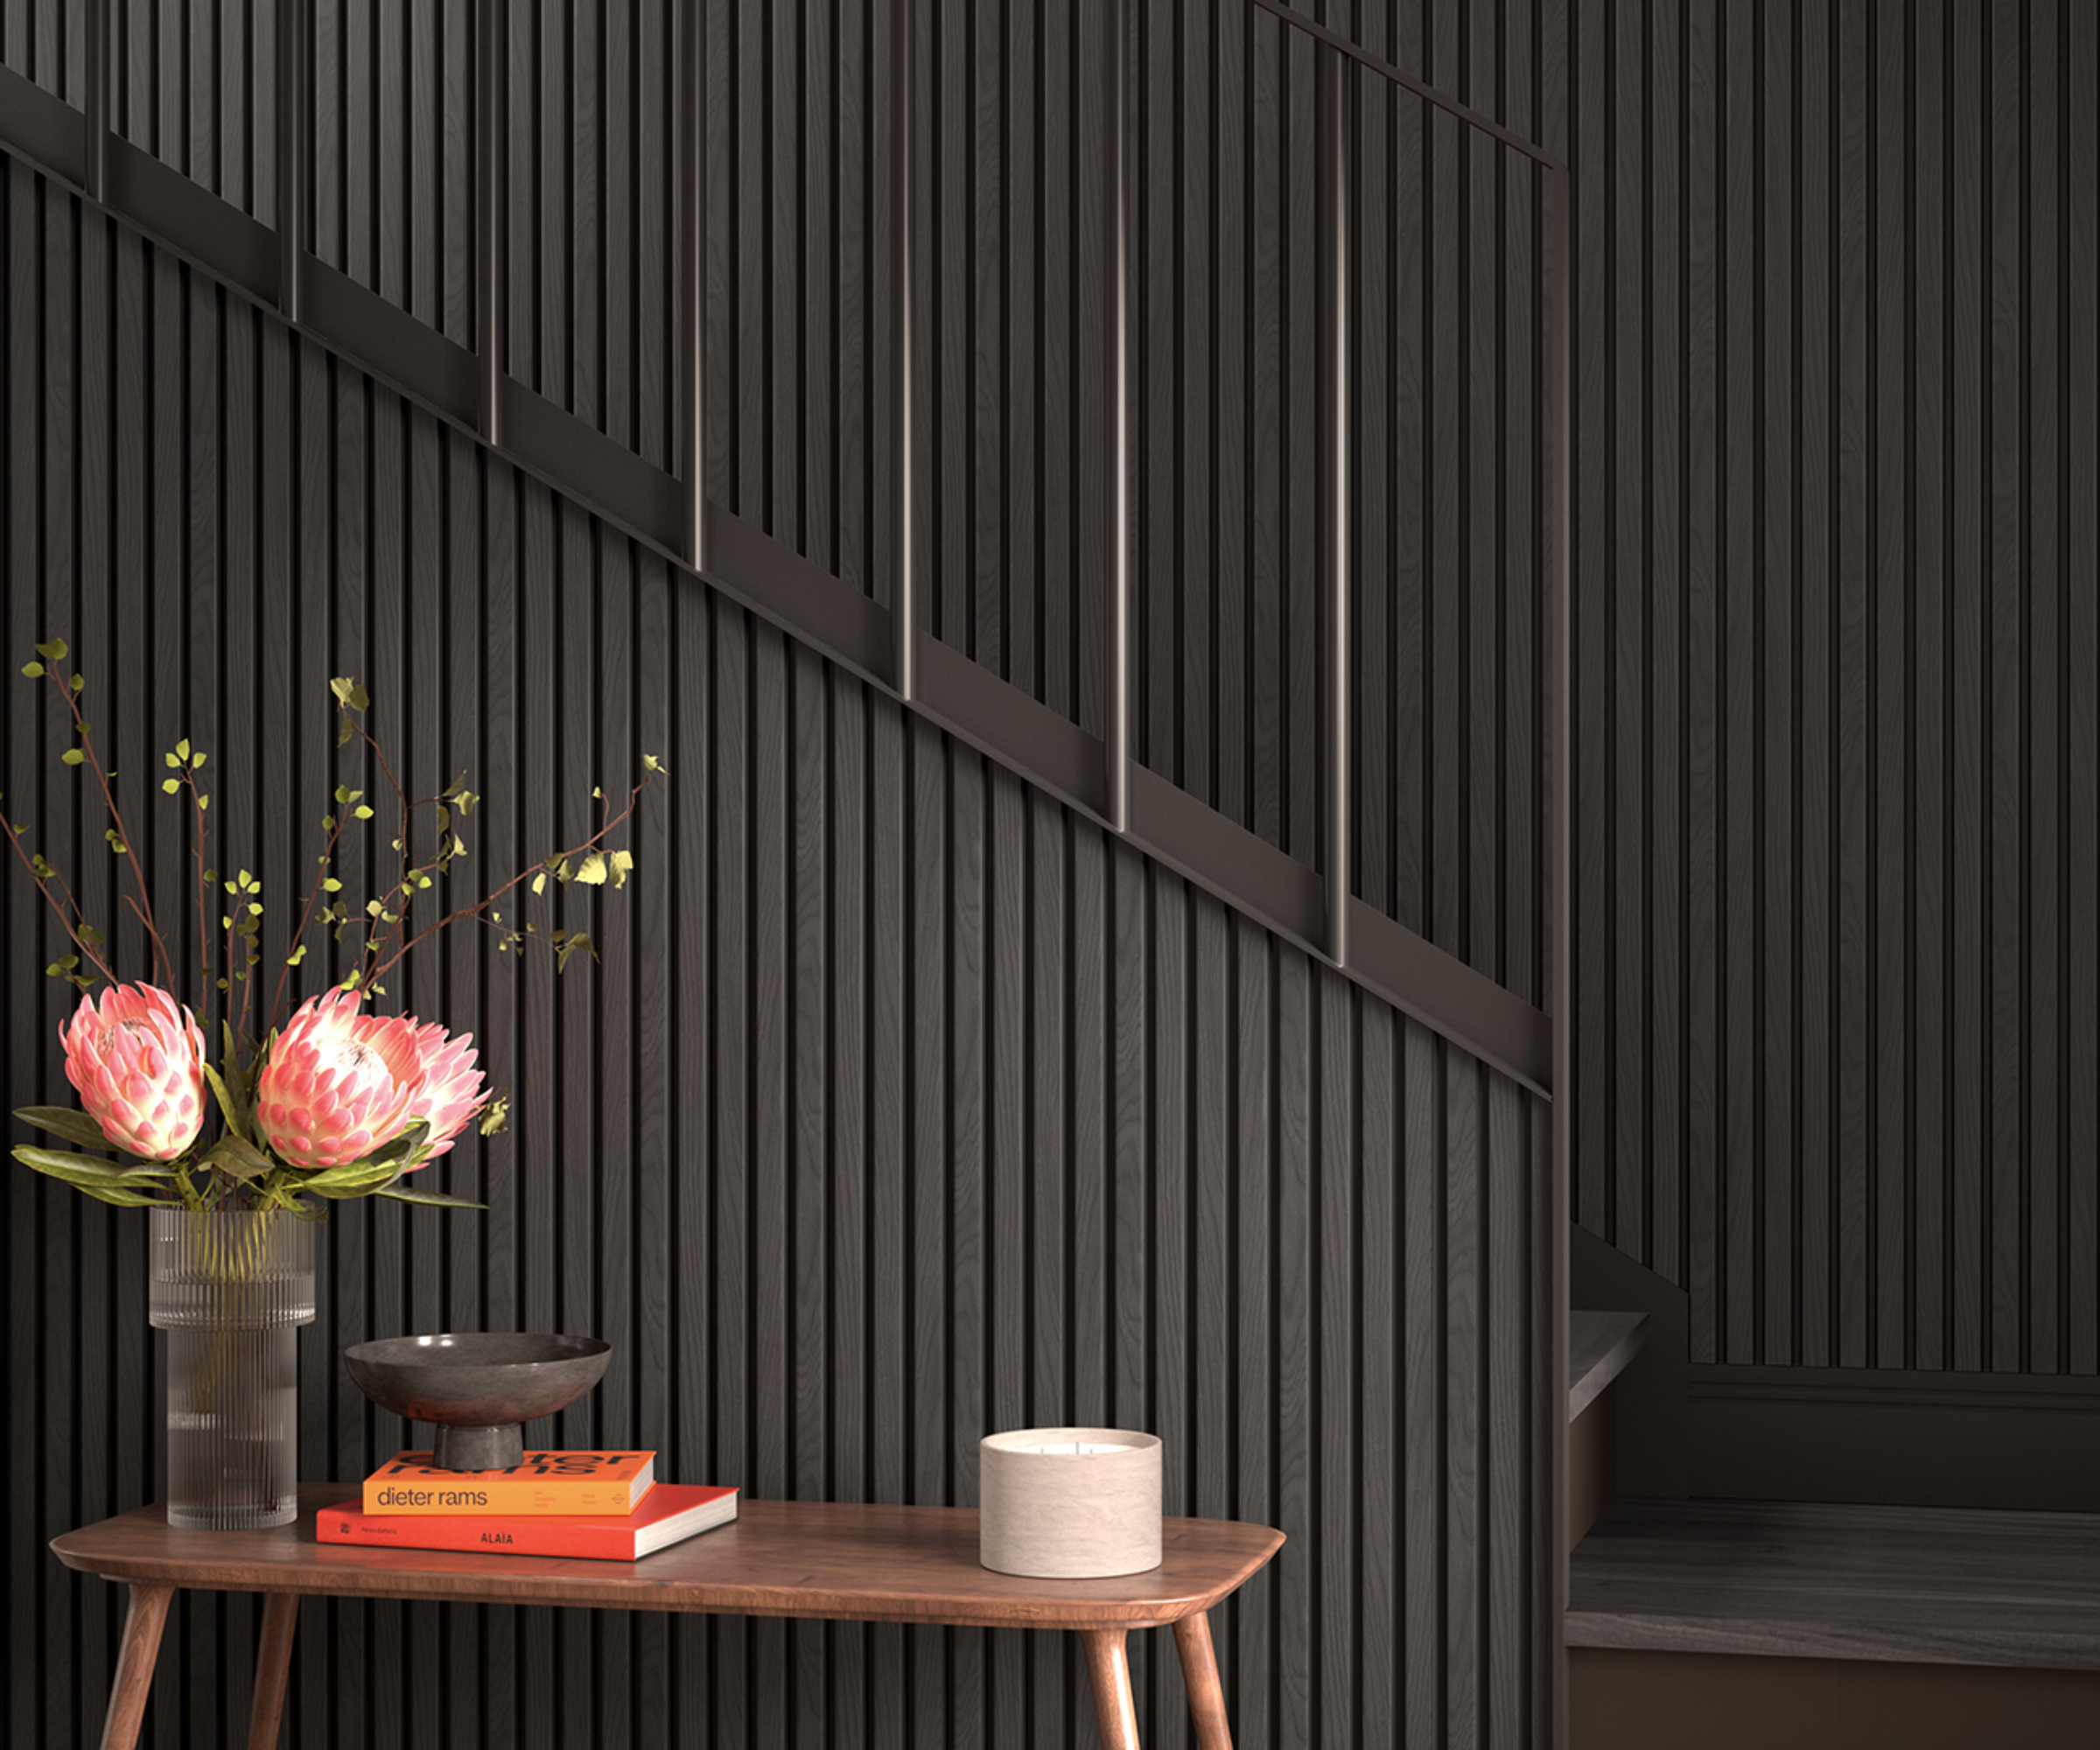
(1199, 1673)
(776, 1559)
(1923, 1585)
(192, 82)
(144, 1618)
(273, 1669)
(1109, 1674)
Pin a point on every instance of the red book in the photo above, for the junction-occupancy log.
(669, 1513)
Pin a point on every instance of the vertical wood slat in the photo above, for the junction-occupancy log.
(904, 613)
(1337, 87)
(1118, 532)
(691, 30)
(96, 93)
(492, 208)
(291, 150)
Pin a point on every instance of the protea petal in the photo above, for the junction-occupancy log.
(337, 1084)
(137, 1061)
(449, 1093)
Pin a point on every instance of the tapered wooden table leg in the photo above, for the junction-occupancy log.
(1109, 1671)
(1199, 1673)
(142, 1624)
(273, 1669)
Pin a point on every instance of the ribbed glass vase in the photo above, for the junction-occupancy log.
(231, 1288)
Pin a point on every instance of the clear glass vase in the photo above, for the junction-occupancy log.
(231, 1288)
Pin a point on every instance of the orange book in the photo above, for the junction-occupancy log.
(544, 1482)
(671, 1513)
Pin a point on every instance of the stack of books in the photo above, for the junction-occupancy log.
(604, 1506)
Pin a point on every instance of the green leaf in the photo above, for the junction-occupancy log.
(73, 756)
(80, 1168)
(362, 812)
(364, 1187)
(171, 785)
(182, 748)
(170, 761)
(52, 652)
(236, 1159)
(434, 1200)
(122, 1197)
(229, 1108)
(349, 695)
(76, 683)
(63, 1121)
(33, 670)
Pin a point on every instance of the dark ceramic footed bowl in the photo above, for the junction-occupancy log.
(475, 1387)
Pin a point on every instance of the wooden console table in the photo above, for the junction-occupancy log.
(873, 1563)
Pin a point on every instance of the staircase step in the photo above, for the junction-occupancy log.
(1913, 1585)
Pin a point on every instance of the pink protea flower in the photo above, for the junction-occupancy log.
(337, 1084)
(138, 1063)
(450, 1090)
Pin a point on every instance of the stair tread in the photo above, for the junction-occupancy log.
(1942, 1585)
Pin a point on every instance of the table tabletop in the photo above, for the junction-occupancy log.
(856, 1562)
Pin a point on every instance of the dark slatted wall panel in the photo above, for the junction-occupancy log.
(391, 151)
(1450, 282)
(798, 355)
(1451, 534)
(1011, 349)
(591, 271)
(1227, 509)
(905, 1105)
(40, 40)
(1836, 474)
(193, 82)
